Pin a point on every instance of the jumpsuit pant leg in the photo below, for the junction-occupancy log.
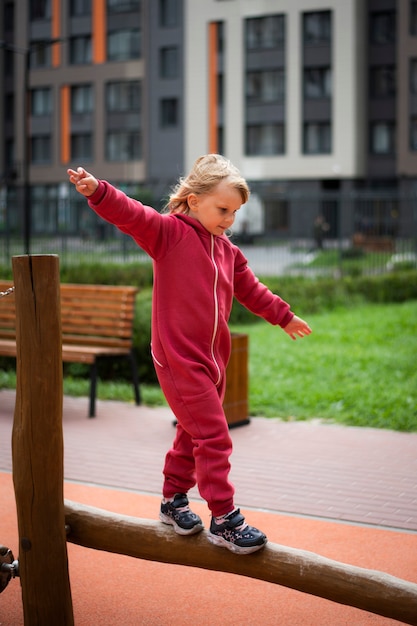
(202, 445)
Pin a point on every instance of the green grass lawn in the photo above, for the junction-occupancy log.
(358, 367)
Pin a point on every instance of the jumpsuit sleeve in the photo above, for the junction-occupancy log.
(143, 223)
(256, 296)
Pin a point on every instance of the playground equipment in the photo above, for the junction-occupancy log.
(46, 522)
(9, 567)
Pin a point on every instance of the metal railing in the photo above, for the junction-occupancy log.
(365, 233)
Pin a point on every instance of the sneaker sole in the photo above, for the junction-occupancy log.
(222, 543)
(165, 519)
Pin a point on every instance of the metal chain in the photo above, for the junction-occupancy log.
(7, 292)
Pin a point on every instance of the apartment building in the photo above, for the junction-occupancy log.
(309, 99)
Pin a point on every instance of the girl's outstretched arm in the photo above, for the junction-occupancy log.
(85, 183)
(297, 328)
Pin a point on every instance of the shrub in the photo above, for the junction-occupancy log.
(306, 296)
(137, 274)
(402, 262)
(315, 295)
(391, 287)
(352, 253)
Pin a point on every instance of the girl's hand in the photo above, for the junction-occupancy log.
(297, 328)
(85, 183)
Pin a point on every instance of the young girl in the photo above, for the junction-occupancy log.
(197, 272)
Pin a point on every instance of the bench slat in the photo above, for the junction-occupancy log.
(88, 354)
(8, 347)
(112, 307)
(71, 353)
(91, 340)
(76, 327)
(7, 312)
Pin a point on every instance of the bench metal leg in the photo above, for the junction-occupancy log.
(135, 376)
(93, 387)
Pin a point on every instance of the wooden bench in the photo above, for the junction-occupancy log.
(97, 322)
(373, 243)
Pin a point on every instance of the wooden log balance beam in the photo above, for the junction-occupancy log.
(304, 571)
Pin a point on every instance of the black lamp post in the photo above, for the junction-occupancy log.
(27, 209)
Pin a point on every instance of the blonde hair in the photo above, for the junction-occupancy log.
(207, 172)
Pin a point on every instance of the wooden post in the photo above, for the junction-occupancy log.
(235, 404)
(365, 589)
(37, 443)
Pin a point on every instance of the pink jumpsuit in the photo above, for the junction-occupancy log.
(196, 276)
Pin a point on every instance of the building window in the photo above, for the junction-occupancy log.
(382, 27)
(123, 45)
(169, 112)
(39, 54)
(9, 63)
(10, 157)
(413, 17)
(413, 134)
(168, 62)
(413, 76)
(220, 38)
(82, 146)
(41, 101)
(123, 146)
(265, 32)
(317, 28)
(317, 82)
(123, 96)
(382, 81)
(220, 140)
(168, 13)
(383, 138)
(265, 139)
(220, 90)
(40, 9)
(9, 17)
(9, 112)
(44, 208)
(265, 86)
(80, 7)
(317, 138)
(123, 6)
(80, 50)
(40, 149)
(276, 215)
(82, 99)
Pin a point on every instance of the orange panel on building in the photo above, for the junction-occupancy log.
(212, 99)
(99, 31)
(56, 32)
(65, 124)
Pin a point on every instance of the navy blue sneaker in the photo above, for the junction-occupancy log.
(179, 515)
(236, 535)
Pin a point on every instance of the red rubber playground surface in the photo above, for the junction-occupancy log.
(344, 493)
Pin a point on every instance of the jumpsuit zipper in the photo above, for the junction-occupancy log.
(216, 312)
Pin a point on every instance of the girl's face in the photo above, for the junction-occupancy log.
(216, 210)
